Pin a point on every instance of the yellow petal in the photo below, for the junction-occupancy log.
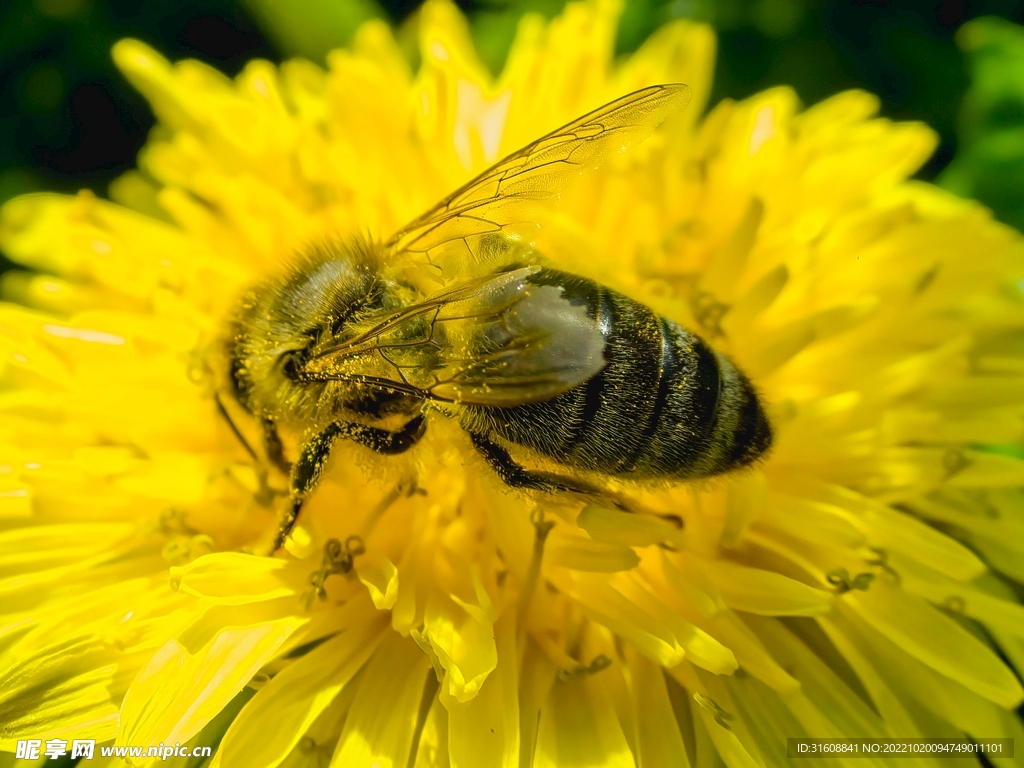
(763, 592)
(578, 727)
(177, 693)
(580, 553)
(941, 698)
(234, 578)
(647, 622)
(883, 697)
(912, 625)
(281, 712)
(62, 691)
(485, 729)
(379, 729)
(380, 577)
(614, 527)
(658, 740)
(464, 645)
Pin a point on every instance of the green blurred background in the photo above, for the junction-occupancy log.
(68, 120)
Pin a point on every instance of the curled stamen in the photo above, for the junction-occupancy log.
(708, 311)
(335, 555)
(882, 561)
(180, 550)
(411, 487)
(173, 520)
(862, 581)
(954, 604)
(954, 462)
(175, 552)
(338, 558)
(354, 546)
(405, 488)
(674, 520)
(258, 680)
(840, 579)
(597, 664)
(720, 715)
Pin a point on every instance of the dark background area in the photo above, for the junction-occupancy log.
(68, 120)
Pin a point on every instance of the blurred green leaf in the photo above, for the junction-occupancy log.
(313, 27)
(43, 89)
(777, 18)
(17, 181)
(494, 24)
(638, 20)
(990, 163)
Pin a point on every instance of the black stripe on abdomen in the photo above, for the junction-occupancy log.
(752, 433)
(667, 373)
(627, 387)
(594, 390)
(681, 441)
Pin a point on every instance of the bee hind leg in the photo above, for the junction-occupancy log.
(515, 475)
(308, 470)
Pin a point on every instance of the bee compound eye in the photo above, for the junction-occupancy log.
(290, 365)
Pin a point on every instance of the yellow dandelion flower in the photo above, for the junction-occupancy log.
(860, 581)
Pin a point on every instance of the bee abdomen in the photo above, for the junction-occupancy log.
(707, 418)
(665, 404)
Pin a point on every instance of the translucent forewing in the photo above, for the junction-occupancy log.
(451, 237)
(497, 341)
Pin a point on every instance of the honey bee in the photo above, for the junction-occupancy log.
(350, 343)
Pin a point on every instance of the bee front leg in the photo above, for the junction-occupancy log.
(223, 411)
(308, 470)
(273, 446)
(264, 494)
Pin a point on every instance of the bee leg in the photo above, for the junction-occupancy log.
(517, 476)
(313, 456)
(273, 446)
(264, 494)
(234, 427)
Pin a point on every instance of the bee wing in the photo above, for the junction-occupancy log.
(509, 192)
(498, 341)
